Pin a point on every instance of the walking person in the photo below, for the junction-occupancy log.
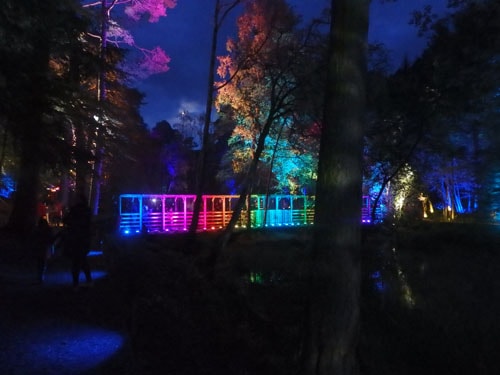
(42, 246)
(77, 239)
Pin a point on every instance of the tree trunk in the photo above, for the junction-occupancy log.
(24, 208)
(23, 216)
(96, 180)
(202, 165)
(206, 126)
(5, 136)
(268, 186)
(332, 325)
(247, 184)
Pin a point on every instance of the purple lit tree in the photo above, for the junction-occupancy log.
(173, 161)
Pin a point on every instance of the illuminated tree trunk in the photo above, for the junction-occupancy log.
(77, 136)
(271, 165)
(5, 137)
(245, 186)
(208, 112)
(81, 156)
(387, 179)
(97, 174)
(206, 126)
(99, 131)
(332, 326)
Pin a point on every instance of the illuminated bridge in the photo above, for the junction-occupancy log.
(158, 213)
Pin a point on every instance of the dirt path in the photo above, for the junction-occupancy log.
(51, 329)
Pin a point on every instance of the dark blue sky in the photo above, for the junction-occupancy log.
(185, 35)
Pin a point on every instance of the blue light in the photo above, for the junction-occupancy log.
(54, 345)
(231, 186)
(380, 286)
(63, 278)
(378, 282)
(94, 253)
(7, 186)
(70, 348)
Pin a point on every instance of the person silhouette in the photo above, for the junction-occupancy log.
(43, 239)
(77, 239)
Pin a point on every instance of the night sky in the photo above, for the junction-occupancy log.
(185, 36)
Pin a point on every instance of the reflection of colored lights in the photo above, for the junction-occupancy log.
(378, 282)
(63, 278)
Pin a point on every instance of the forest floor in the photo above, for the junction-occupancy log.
(52, 329)
(430, 305)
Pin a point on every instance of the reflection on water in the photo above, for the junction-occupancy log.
(405, 289)
(378, 281)
(63, 277)
(264, 278)
(255, 278)
(390, 276)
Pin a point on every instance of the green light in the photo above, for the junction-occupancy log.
(256, 278)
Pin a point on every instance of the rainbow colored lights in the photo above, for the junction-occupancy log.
(163, 213)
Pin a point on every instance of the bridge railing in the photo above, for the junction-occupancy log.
(173, 213)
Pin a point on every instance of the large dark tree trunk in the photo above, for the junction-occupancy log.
(332, 325)
(23, 216)
(31, 124)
